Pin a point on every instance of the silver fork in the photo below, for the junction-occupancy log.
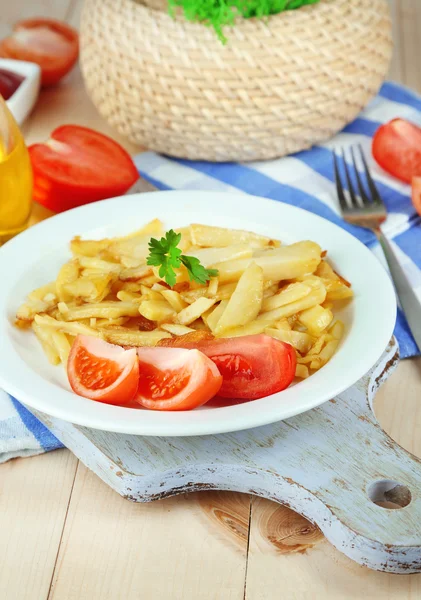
(368, 210)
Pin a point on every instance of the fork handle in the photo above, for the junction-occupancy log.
(409, 301)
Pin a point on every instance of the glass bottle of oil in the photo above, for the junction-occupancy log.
(15, 177)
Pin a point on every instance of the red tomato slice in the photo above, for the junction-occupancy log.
(175, 378)
(51, 44)
(78, 165)
(102, 371)
(397, 149)
(252, 366)
(416, 194)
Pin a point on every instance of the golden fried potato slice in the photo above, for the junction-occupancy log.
(218, 237)
(288, 262)
(316, 319)
(131, 337)
(188, 340)
(246, 301)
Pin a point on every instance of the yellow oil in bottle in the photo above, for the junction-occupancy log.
(15, 177)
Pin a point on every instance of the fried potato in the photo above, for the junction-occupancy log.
(107, 290)
(325, 271)
(246, 301)
(212, 256)
(105, 266)
(292, 293)
(150, 294)
(324, 356)
(62, 345)
(94, 322)
(212, 316)
(188, 340)
(46, 340)
(135, 273)
(102, 310)
(289, 262)
(253, 328)
(175, 329)
(130, 337)
(174, 299)
(219, 237)
(194, 311)
(212, 287)
(27, 311)
(133, 249)
(316, 296)
(68, 273)
(224, 292)
(336, 290)
(298, 340)
(337, 330)
(92, 248)
(271, 290)
(72, 328)
(316, 319)
(283, 324)
(130, 297)
(157, 310)
(44, 293)
(301, 371)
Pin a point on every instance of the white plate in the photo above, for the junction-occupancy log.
(34, 257)
(23, 100)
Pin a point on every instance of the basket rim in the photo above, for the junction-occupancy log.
(304, 13)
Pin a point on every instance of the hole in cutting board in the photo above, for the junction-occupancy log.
(389, 494)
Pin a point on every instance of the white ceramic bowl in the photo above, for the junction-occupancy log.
(34, 257)
(23, 100)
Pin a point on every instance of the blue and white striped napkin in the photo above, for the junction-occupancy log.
(305, 179)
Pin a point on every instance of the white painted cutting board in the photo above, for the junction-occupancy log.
(330, 464)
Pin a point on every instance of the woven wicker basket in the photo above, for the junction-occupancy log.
(277, 86)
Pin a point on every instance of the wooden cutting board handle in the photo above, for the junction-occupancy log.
(334, 465)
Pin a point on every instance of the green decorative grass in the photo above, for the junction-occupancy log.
(220, 13)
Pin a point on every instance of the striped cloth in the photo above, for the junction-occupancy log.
(305, 179)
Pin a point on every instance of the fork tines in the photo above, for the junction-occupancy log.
(365, 198)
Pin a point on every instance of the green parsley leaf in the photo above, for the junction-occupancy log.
(164, 254)
(196, 271)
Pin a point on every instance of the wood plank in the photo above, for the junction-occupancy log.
(34, 496)
(181, 548)
(293, 554)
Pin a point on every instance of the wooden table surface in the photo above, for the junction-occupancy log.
(64, 535)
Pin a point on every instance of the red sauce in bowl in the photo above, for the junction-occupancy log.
(9, 83)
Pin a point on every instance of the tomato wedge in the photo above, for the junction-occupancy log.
(397, 149)
(102, 371)
(252, 366)
(78, 165)
(175, 378)
(51, 44)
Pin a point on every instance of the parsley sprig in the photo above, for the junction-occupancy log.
(165, 254)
